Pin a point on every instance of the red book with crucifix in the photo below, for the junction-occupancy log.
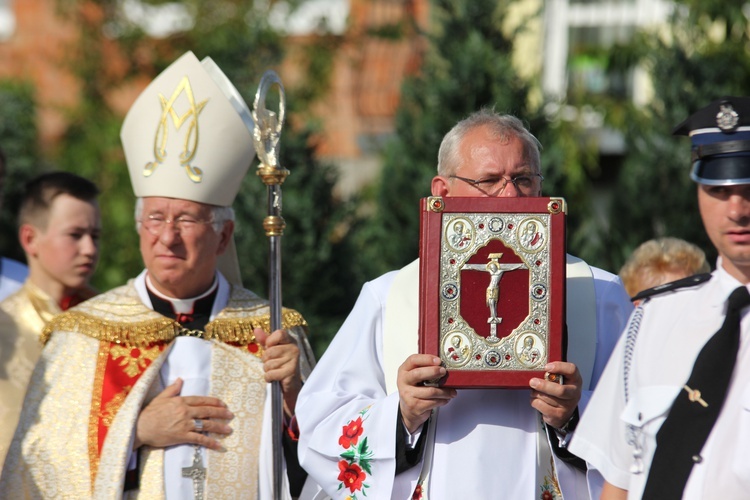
(492, 288)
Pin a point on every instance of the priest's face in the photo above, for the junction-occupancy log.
(180, 246)
(487, 165)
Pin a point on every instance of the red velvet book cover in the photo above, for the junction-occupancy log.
(492, 287)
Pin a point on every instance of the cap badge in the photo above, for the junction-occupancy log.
(727, 118)
(191, 135)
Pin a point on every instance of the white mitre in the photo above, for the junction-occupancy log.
(189, 135)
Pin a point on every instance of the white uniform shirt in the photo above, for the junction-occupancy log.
(485, 444)
(674, 328)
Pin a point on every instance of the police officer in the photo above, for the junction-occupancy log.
(669, 418)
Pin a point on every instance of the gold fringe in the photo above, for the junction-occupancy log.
(234, 330)
(96, 403)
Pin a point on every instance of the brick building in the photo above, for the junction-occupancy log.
(357, 113)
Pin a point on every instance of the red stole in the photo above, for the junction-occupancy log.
(118, 368)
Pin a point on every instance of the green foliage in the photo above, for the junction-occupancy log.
(704, 58)
(570, 166)
(92, 149)
(18, 140)
(467, 66)
(317, 261)
(90, 145)
(316, 64)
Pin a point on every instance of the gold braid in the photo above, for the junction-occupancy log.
(232, 330)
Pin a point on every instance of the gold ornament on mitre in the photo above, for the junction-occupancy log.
(189, 135)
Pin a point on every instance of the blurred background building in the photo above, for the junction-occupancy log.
(566, 46)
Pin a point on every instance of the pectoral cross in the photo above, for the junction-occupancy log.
(496, 270)
(197, 473)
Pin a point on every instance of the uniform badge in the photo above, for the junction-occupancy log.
(727, 118)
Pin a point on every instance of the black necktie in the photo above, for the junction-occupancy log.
(695, 409)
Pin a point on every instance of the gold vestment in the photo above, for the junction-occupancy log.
(59, 449)
(23, 315)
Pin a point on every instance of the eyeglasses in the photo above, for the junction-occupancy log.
(526, 184)
(155, 224)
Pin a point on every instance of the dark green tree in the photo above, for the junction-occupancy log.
(702, 57)
(467, 66)
(18, 140)
(317, 256)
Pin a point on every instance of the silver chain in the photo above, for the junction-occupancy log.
(634, 437)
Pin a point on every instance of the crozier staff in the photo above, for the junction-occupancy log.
(266, 135)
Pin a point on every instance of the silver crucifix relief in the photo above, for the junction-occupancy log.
(197, 473)
(496, 270)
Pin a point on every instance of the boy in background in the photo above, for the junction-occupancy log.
(59, 228)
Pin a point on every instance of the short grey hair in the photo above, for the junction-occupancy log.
(219, 215)
(501, 125)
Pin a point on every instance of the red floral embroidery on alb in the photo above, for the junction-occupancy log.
(417, 495)
(351, 475)
(355, 466)
(350, 433)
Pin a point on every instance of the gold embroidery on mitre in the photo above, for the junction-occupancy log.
(134, 363)
(191, 136)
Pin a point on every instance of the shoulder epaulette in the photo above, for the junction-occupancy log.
(694, 280)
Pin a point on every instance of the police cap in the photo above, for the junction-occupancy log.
(720, 136)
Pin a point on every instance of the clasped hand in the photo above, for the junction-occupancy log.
(170, 419)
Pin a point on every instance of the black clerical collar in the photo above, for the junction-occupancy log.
(195, 319)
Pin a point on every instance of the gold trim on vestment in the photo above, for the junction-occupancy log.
(96, 401)
(143, 333)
